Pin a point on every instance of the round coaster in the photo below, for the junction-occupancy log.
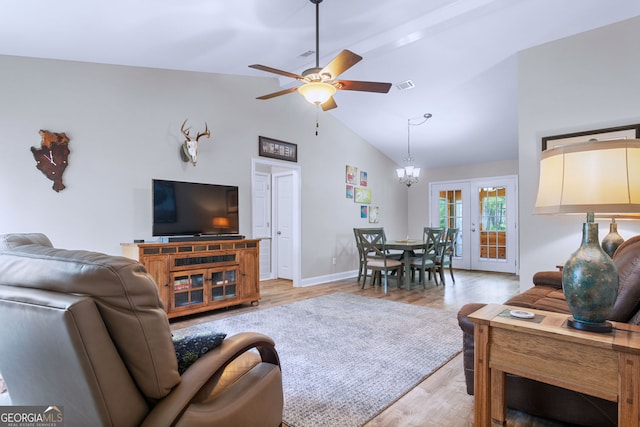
(522, 314)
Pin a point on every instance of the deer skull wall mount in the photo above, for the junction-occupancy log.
(189, 149)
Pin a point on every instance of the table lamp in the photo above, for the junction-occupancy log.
(592, 177)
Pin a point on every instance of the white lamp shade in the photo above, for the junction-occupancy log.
(601, 177)
(416, 172)
(317, 93)
(400, 172)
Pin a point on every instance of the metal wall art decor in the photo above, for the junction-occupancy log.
(189, 148)
(269, 147)
(52, 156)
(620, 132)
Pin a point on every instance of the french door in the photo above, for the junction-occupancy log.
(485, 212)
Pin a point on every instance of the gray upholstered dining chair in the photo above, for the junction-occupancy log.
(376, 258)
(447, 252)
(425, 260)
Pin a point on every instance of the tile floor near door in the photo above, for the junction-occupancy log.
(441, 399)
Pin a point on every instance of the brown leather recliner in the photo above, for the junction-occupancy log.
(87, 332)
(546, 400)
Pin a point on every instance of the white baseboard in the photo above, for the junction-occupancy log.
(318, 280)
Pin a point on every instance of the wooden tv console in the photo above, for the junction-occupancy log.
(193, 277)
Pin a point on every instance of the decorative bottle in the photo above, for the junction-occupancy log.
(590, 280)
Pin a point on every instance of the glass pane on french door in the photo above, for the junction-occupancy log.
(493, 223)
(451, 214)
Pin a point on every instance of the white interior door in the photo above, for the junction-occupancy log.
(265, 217)
(261, 214)
(283, 207)
(494, 225)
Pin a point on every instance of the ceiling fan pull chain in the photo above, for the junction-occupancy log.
(317, 125)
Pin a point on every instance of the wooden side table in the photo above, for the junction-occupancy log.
(545, 349)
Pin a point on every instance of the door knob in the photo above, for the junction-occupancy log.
(279, 233)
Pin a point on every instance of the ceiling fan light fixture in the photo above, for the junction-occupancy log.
(319, 84)
(317, 92)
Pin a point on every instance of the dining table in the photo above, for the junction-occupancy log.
(408, 246)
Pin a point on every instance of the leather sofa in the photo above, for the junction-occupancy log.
(87, 332)
(549, 401)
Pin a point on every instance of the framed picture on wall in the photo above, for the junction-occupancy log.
(351, 175)
(620, 132)
(269, 147)
(349, 192)
(362, 195)
(363, 178)
(374, 214)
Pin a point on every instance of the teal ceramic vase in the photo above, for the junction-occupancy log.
(590, 282)
(612, 240)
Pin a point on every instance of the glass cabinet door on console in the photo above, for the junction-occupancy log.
(223, 283)
(187, 289)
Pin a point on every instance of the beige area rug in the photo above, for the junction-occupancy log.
(345, 358)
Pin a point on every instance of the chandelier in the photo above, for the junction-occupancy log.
(409, 174)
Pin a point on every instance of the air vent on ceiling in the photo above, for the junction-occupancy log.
(408, 84)
(307, 53)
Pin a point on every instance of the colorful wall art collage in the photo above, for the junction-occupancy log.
(358, 189)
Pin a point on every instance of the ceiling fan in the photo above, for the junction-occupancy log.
(320, 84)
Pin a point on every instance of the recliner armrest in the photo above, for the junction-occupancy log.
(548, 278)
(197, 375)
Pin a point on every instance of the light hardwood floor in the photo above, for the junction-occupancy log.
(441, 399)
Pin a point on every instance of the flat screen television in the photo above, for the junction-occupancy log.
(193, 209)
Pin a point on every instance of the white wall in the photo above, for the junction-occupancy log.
(124, 127)
(588, 81)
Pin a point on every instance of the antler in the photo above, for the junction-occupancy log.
(184, 131)
(206, 132)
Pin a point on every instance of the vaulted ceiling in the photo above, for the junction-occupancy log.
(460, 55)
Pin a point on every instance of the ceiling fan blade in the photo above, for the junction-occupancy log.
(362, 86)
(329, 104)
(276, 71)
(341, 63)
(279, 93)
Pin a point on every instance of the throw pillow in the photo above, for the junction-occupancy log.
(190, 347)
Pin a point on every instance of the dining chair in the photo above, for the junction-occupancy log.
(425, 261)
(376, 258)
(436, 235)
(361, 254)
(447, 252)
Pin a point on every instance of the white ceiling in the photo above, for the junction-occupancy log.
(460, 54)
